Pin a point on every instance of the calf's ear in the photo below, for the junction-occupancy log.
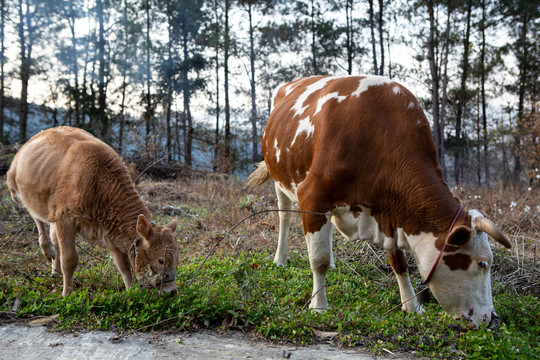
(143, 226)
(459, 236)
(172, 224)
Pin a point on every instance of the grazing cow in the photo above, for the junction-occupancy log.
(358, 149)
(79, 185)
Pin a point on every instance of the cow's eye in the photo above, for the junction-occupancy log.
(483, 264)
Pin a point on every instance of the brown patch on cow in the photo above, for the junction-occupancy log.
(458, 261)
(369, 149)
(398, 261)
(356, 209)
(439, 243)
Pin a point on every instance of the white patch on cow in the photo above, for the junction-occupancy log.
(396, 90)
(298, 106)
(291, 194)
(327, 97)
(277, 150)
(412, 105)
(319, 249)
(291, 87)
(345, 222)
(458, 291)
(306, 126)
(369, 81)
(274, 94)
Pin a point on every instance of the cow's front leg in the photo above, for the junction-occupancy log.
(320, 250)
(399, 264)
(284, 203)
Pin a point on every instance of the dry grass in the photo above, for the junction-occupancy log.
(209, 205)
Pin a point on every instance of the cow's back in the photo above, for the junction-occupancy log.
(51, 172)
(363, 140)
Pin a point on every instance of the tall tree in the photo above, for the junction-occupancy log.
(249, 7)
(102, 97)
(522, 18)
(32, 24)
(3, 10)
(434, 70)
(373, 39)
(227, 153)
(188, 25)
(149, 107)
(462, 94)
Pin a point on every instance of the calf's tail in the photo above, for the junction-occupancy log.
(259, 175)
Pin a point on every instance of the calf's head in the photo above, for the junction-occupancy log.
(461, 281)
(156, 255)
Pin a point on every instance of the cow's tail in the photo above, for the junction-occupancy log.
(259, 175)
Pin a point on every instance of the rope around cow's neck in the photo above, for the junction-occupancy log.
(444, 246)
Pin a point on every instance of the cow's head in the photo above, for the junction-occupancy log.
(156, 255)
(461, 281)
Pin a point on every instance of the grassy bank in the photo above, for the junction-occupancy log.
(240, 288)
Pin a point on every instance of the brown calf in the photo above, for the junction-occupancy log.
(67, 178)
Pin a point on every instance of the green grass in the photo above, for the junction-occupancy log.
(247, 291)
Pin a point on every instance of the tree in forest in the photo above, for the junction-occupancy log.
(321, 36)
(522, 19)
(3, 18)
(69, 13)
(31, 24)
(187, 25)
(129, 29)
(264, 6)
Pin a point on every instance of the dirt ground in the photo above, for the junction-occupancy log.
(29, 343)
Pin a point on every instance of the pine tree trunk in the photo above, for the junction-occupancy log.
(434, 76)
(373, 41)
(381, 36)
(24, 71)
(2, 55)
(228, 151)
(254, 137)
(105, 131)
(462, 98)
(148, 112)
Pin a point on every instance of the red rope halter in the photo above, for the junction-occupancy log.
(444, 246)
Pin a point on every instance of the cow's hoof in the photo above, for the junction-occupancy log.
(280, 262)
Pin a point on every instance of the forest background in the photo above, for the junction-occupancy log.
(190, 81)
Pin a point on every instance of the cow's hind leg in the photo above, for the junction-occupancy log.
(65, 232)
(284, 203)
(398, 261)
(47, 247)
(319, 250)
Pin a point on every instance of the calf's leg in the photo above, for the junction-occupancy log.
(122, 263)
(45, 243)
(56, 267)
(398, 261)
(65, 232)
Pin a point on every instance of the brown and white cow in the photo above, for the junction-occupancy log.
(359, 150)
(79, 185)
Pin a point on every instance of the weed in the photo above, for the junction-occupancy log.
(240, 288)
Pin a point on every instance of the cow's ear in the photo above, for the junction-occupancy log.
(143, 227)
(459, 236)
